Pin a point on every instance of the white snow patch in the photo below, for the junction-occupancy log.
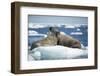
(30, 57)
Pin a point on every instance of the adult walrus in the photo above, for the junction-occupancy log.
(65, 40)
(50, 40)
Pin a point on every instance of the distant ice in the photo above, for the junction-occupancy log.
(36, 26)
(30, 32)
(44, 35)
(78, 25)
(76, 33)
(35, 33)
(69, 26)
(43, 25)
(78, 29)
(57, 52)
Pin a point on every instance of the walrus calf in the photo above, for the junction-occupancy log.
(66, 40)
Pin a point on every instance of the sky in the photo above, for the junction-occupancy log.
(57, 19)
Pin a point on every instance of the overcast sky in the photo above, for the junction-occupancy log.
(57, 19)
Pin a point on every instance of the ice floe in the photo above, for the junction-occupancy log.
(76, 33)
(57, 52)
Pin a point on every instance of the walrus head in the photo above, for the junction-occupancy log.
(54, 30)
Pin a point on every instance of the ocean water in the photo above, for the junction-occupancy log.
(79, 33)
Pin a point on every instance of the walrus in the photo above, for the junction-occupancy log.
(50, 40)
(65, 40)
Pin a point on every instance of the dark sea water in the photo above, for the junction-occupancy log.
(83, 38)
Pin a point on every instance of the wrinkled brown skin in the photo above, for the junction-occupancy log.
(64, 40)
(68, 41)
(48, 41)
